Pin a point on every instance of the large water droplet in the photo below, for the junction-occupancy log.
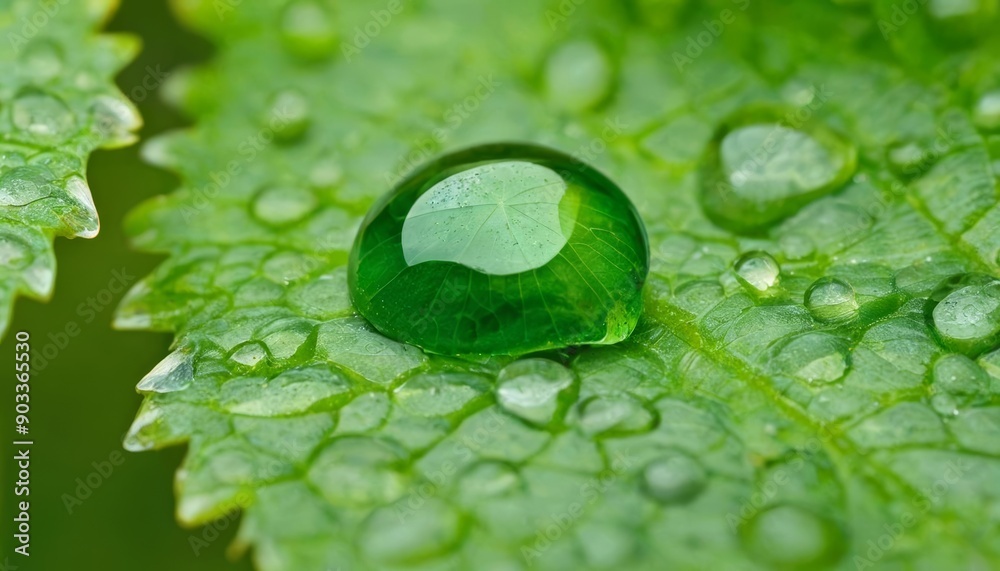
(674, 479)
(578, 75)
(793, 537)
(986, 113)
(831, 300)
(42, 117)
(86, 223)
(307, 30)
(282, 205)
(617, 415)
(758, 170)
(757, 270)
(967, 315)
(530, 388)
(501, 250)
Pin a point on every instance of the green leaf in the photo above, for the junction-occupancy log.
(59, 103)
(737, 427)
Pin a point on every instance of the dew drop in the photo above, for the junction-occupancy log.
(42, 117)
(175, 372)
(757, 270)
(812, 357)
(388, 538)
(966, 315)
(43, 60)
(439, 394)
(115, 120)
(288, 115)
(482, 252)
(249, 354)
(578, 75)
(307, 30)
(986, 113)
(831, 300)
(759, 171)
(282, 205)
(87, 225)
(792, 536)
(613, 416)
(487, 479)
(674, 479)
(14, 254)
(530, 388)
(24, 185)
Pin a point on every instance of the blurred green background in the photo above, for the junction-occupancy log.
(85, 399)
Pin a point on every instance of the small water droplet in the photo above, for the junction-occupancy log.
(42, 117)
(910, 159)
(24, 185)
(14, 254)
(812, 357)
(530, 388)
(436, 395)
(307, 30)
(173, 373)
(282, 205)
(674, 479)
(487, 479)
(791, 536)
(966, 315)
(288, 115)
(115, 120)
(578, 75)
(43, 60)
(986, 113)
(759, 171)
(249, 354)
(87, 224)
(831, 300)
(613, 416)
(388, 538)
(758, 270)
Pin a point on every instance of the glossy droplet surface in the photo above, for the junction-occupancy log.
(613, 416)
(501, 250)
(759, 170)
(831, 300)
(530, 388)
(42, 116)
(307, 30)
(986, 113)
(791, 536)
(281, 205)
(758, 270)
(967, 317)
(578, 75)
(674, 479)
